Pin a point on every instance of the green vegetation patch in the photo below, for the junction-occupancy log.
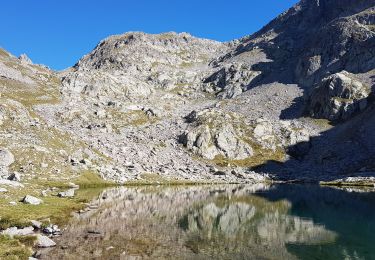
(16, 248)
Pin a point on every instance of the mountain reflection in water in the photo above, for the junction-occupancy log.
(222, 222)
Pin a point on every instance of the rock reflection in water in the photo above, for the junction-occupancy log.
(216, 222)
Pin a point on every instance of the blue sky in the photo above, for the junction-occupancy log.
(58, 32)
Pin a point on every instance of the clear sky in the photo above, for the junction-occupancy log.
(58, 32)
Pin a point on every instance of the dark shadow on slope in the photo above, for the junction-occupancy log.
(341, 151)
(296, 110)
(350, 215)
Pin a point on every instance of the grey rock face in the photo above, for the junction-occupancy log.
(210, 143)
(213, 136)
(338, 97)
(24, 59)
(231, 80)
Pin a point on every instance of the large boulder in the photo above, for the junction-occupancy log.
(338, 97)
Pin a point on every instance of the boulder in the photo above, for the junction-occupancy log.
(67, 194)
(36, 224)
(15, 177)
(14, 231)
(31, 200)
(44, 242)
(6, 157)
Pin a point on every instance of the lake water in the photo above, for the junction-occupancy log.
(223, 222)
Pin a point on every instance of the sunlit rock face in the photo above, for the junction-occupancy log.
(186, 223)
(135, 64)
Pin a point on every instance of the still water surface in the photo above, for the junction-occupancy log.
(223, 222)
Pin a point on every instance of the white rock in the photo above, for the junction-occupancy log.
(6, 157)
(10, 183)
(31, 200)
(36, 224)
(67, 194)
(44, 242)
(14, 231)
(73, 185)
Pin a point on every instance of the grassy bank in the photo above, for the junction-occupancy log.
(54, 209)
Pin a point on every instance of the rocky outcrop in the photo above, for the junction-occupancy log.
(210, 143)
(310, 40)
(214, 135)
(231, 80)
(338, 97)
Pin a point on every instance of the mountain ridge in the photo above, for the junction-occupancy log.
(176, 106)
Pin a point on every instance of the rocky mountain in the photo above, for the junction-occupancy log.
(292, 101)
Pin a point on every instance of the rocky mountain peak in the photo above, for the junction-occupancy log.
(116, 51)
(136, 63)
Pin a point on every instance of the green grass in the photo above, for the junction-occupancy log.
(54, 210)
(323, 123)
(91, 180)
(14, 249)
(57, 209)
(260, 157)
